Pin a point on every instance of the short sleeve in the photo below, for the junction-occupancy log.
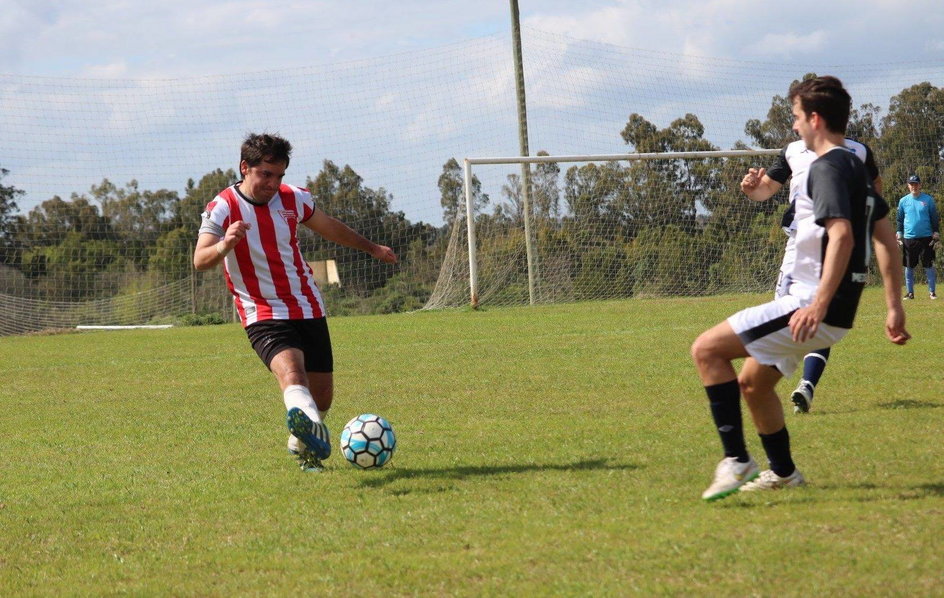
(215, 217)
(870, 165)
(306, 203)
(829, 192)
(881, 208)
(780, 170)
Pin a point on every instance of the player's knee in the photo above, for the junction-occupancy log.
(750, 386)
(747, 386)
(702, 350)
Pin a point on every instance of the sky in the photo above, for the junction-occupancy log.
(91, 89)
(185, 38)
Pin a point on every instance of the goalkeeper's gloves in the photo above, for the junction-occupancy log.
(934, 240)
(898, 238)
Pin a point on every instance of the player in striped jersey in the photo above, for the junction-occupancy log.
(838, 219)
(251, 228)
(760, 185)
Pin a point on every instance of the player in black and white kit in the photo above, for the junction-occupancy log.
(760, 185)
(838, 219)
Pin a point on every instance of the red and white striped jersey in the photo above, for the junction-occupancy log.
(265, 272)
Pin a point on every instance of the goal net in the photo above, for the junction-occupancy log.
(599, 227)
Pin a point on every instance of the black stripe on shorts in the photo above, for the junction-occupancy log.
(752, 334)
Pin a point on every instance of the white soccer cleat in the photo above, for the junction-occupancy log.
(768, 480)
(802, 397)
(730, 475)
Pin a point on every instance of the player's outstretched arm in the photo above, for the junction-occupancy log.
(757, 186)
(333, 229)
(889, 265)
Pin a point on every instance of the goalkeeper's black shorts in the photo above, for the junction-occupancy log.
(917, 250)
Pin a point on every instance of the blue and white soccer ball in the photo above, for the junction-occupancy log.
(368, 441)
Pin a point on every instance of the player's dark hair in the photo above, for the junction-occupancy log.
(827, 97)
(257, 149)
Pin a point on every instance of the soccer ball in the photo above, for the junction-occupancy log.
(367, 441)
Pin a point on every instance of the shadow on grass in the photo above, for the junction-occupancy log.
(899, 404)
(931, 489)
(901, 493)
(910, 404)
(464, 472)
(861, 493)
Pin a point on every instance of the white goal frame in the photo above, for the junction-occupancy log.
(467, 190)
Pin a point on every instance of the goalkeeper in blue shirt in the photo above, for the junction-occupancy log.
(918, 234)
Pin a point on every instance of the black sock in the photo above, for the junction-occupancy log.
(725, 402)
(777, 446)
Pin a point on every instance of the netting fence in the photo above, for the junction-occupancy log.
(102, 181)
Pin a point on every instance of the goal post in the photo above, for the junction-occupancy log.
(470, 225)
(719, 174)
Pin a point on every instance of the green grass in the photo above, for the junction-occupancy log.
(554, 450)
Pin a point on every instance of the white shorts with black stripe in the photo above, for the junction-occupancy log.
(765, 331)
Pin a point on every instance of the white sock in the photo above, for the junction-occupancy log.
(297, 395)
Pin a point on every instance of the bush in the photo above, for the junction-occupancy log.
(202, 319)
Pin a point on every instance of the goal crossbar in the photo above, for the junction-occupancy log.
(640, 156)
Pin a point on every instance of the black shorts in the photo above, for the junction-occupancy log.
(271, 337)
(917, 250)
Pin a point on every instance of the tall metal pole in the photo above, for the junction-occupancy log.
(523, 143)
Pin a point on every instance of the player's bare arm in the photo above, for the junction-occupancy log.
(211, 249)
(805, 321)
(334, 230)
(757, 186)
(889, 265)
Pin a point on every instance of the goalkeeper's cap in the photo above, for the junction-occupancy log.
(914, 179)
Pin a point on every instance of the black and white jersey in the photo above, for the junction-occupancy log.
(792, 163)
(838, 185)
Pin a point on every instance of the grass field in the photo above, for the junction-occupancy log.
(554, 450)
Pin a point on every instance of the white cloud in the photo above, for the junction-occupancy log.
(790, 46)
(385, 100)
(114, 70)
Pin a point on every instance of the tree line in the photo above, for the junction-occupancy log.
(668, 226)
